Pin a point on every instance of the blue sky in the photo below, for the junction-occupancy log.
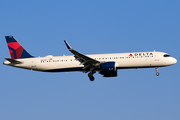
(90, 27)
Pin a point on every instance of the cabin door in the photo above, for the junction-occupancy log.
(33, 63)
(156, 57)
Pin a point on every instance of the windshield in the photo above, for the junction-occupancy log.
(166, 55)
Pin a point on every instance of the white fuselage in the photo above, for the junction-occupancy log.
(69, 63)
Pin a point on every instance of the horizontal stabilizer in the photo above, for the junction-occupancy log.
(13, 61)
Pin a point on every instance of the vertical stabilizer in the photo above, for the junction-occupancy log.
(15, 49)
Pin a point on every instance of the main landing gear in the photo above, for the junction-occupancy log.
(157, 73)
(90, 74)
(91, 77)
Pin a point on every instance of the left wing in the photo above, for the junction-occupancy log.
(83, 59)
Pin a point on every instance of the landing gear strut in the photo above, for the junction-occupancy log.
(157, 73)
(90, 74)
(91, 77)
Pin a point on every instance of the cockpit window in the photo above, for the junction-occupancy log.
(166, 55)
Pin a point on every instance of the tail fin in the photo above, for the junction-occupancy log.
(15, 49)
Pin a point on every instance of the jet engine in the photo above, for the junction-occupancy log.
(108, 69)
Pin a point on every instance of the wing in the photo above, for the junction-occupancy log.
(83, 59)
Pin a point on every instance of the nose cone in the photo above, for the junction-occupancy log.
(170, 61)
(174, 61)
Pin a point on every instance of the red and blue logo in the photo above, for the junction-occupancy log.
(130, 55)
(15, 49)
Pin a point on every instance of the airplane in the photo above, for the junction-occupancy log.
(106, 64)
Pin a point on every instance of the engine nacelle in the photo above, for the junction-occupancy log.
(108, 69)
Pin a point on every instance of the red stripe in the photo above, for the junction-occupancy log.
(10, 51)
(14, 45)
(12, 55)
(19, 52)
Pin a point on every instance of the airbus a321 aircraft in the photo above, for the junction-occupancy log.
(106, 64)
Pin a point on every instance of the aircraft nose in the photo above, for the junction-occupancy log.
(174, 61)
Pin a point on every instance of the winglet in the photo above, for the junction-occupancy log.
(68, 46)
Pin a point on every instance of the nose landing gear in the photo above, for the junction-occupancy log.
(157, 73)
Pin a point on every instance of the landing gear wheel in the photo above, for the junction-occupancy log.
(91, 77)
(157, 74)
(90, 74)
